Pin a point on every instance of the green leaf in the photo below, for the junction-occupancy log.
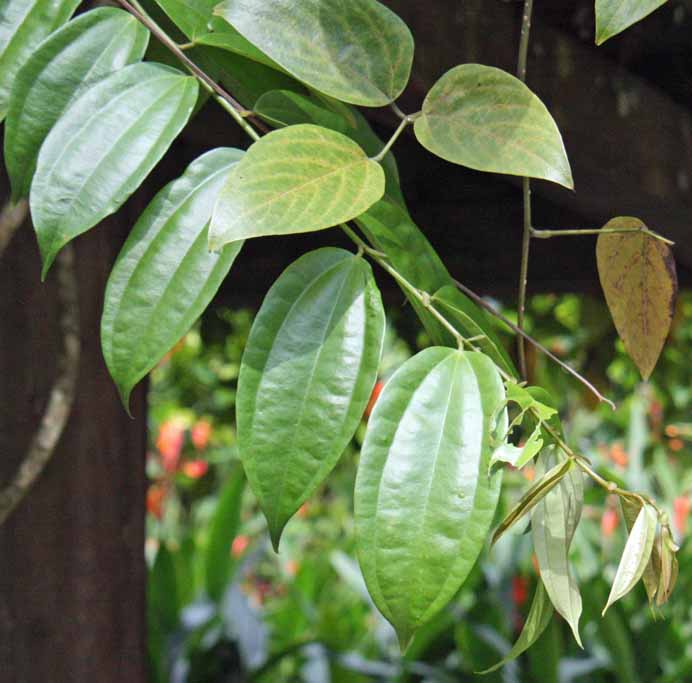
(669, 567)
(472, 321)
(553, 523)
(637, 273)
(518, 456)
(103, 147)
(162, 591)
(635, 556)
(306, 377)
(541, 487)
(614, 16)
(23, 25)
(83, 51)
(287, 108)
(536, 622)
(486, 119)
(230, 40)
(650, 577)
(223, 529)
(192, 17)
(423, 500)
(165, 276)
(357, 51)
(297, 179)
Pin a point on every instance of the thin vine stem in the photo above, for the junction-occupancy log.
(547, 234)
(526, 196)
(406, 121)
(239, 113)
(527, 337)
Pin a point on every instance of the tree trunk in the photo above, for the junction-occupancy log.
(72, 583)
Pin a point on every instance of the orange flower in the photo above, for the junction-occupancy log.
(618, 455)
(676, 445)
(156, 494)
(240, 543)
(681, 511)
(195, 469)
(609, 522)
(201, 432)
(170, 443)
(520, 590)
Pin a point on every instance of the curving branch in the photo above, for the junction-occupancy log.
(12, 217)
(62, 394)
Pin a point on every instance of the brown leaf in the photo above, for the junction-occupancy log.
(638, 277)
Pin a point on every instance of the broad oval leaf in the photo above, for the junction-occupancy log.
(484, 118)
(635, 556)
(553, 523)
(83, 51)
(23, 25)
(103, 147)
(165, 276)
(614, 16)
(637, 273)
(230, 40)
(652, 572)
(218, 562)
(357, 51)
(536, 622)
(297, 179)
(306, 377)
(424, 500)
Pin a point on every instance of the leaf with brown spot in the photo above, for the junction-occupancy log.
(638, 277)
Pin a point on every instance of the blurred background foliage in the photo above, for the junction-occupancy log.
(224, 607)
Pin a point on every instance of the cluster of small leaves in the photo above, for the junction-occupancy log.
(87, 121)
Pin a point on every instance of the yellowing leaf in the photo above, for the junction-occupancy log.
(638, 277)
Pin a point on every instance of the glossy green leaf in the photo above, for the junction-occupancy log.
(635, 556)
(223, 529)
(472, 321)
(536, 622)
(306, 377)
(614, 16)
(83, 51)
(23, 25)
(165, 276)
(484, 118)
(103, 147)
(357, 51)
(540, 488)
(297, 179)
(192, 17)
(553, 523)
(423, 500)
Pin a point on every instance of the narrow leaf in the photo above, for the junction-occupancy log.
(635, 556)
(165, 276)
(536, 622)
(83, 51)
(23, 25)
(640, 284)
(614, 16)
(103, 147)
(553, 523)
(223, 529)
(652, 572)
(532, 497)
(484, 118)
(423, 500)
(296, 413)
(357, 51)
(669, 567)
(297, 179)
